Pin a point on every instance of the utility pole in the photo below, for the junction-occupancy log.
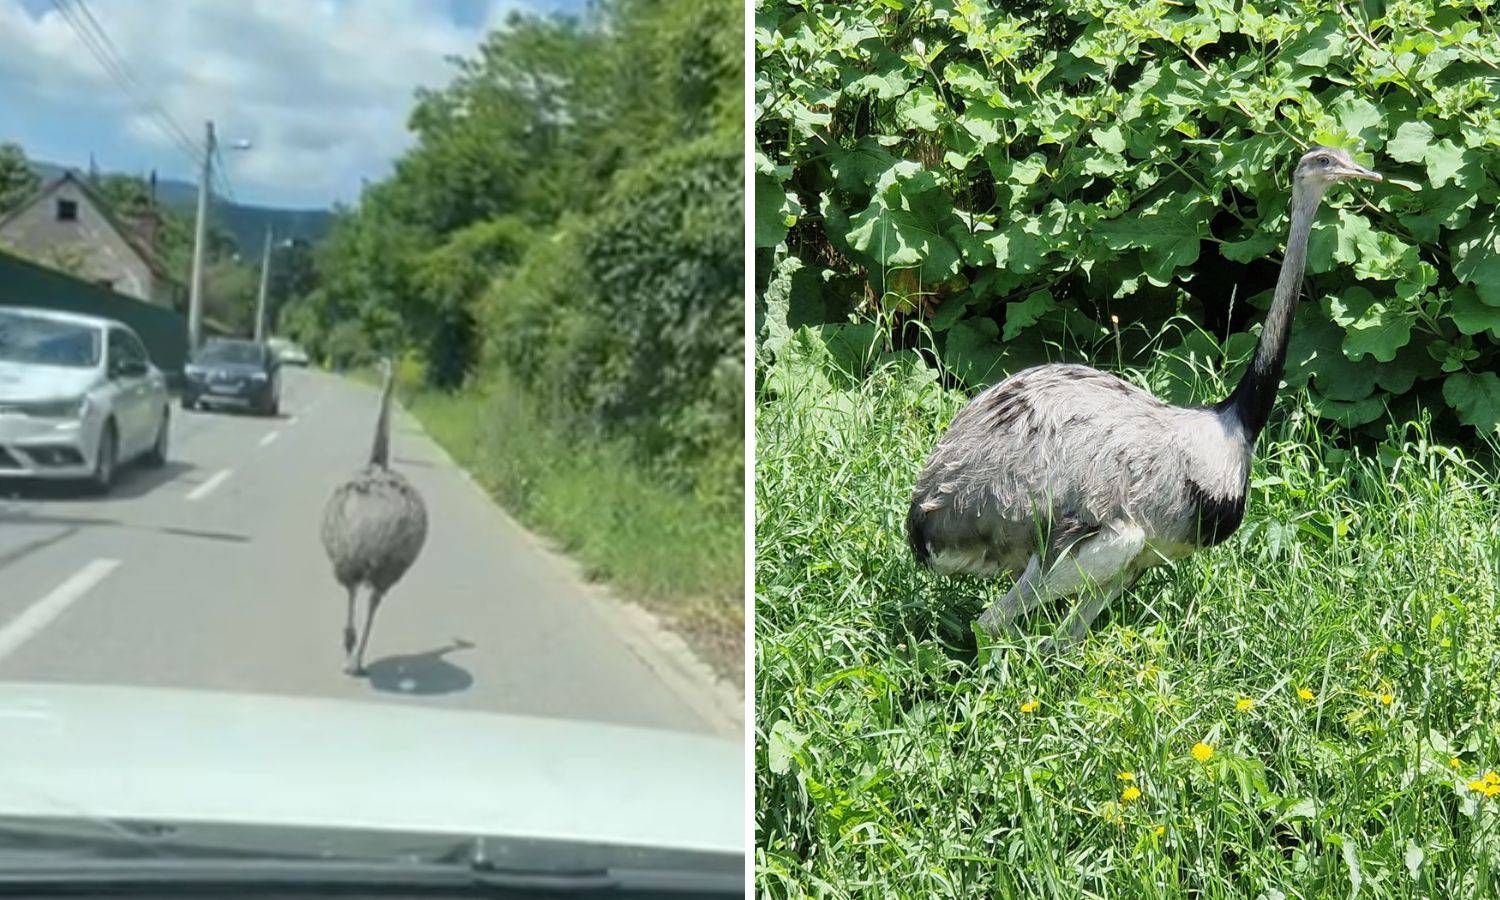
(265, 280)
(195, 288)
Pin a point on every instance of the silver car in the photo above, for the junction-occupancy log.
(288, 352)
(78, 397)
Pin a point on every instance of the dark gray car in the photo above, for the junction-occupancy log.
(242, 374)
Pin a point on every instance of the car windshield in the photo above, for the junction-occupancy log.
(47, 342)
(235, 354)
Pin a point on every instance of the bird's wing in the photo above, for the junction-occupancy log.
(1057, 445)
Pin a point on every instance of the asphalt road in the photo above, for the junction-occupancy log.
(209, 574)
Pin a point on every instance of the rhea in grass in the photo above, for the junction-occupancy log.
(1080, 481)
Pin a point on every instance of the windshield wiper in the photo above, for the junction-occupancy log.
(158, 856)
(271, 875)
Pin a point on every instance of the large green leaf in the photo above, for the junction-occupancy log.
(1022, 315)
(1444, 159)
(1474, 316)
(1410, 142)
(1372, 326)
(973, 351)
(902, 239)
(1168, 237)
(921, 109)
(1476, 252)
(1016, 248)
(776, 210)
(1476, 397)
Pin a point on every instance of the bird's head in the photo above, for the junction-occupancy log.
(1321, 167)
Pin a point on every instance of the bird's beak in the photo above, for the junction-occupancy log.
(1354, 170)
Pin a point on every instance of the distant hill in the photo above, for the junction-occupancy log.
(247, 223)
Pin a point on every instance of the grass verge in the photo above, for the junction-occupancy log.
(1334, 665)
(678, 553)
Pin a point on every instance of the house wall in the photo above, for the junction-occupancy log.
(103, 256)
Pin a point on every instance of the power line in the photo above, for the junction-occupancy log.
(97, 41)
(113, 60)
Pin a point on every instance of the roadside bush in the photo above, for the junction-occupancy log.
(630, 320)
(1012, 181)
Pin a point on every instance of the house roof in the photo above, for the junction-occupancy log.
(125, 233)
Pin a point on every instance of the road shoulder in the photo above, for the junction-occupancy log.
(649, 636)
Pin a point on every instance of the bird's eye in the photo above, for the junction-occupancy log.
(1323, 160)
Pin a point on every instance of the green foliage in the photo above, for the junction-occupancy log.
(572, 215)
(894, 757)
(662, 545)
(17, 180)
(1011, 176)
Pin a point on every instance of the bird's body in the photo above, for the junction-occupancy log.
(1077, 481)
(1074, 448)
(374, 527)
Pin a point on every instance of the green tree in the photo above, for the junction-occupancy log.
(18, 180)
(569, 214)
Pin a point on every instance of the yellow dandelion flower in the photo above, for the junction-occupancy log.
(1455, 762)
(1477, 785)
(1305, 694)
(1491, 790)
(1030, 706)
(1202, 752)
(1387, 699)
(1161, 830)
(1126, 776)
(1133, 792)
(1491, 778)
(1243, 704)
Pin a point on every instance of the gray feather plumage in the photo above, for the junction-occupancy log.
(373, 529)
(1055, 451)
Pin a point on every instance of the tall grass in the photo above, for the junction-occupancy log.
(899, 755)
(679, 552)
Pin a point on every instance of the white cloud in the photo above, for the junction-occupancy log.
(321, 87)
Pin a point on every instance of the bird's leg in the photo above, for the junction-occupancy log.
(357, 664)
(1023, 597)
(349, 623)
(1076, 625)
(1097, 569)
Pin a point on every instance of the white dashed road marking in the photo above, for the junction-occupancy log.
(270, 438)
(207, 487)
(36, 617)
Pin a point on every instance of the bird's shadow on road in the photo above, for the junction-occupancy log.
(421, 674)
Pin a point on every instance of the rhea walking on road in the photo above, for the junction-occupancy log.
(1080, 481)
(373, 528)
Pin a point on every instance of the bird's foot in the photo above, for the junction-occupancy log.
(355, 670)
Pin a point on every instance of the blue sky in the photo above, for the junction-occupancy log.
(321, 88)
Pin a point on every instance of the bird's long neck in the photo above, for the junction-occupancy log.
(380, 453)
(1252, 399)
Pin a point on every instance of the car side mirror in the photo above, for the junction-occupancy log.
(127, 368)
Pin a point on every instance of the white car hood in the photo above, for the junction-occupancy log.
(24, 383)
(198, 756)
